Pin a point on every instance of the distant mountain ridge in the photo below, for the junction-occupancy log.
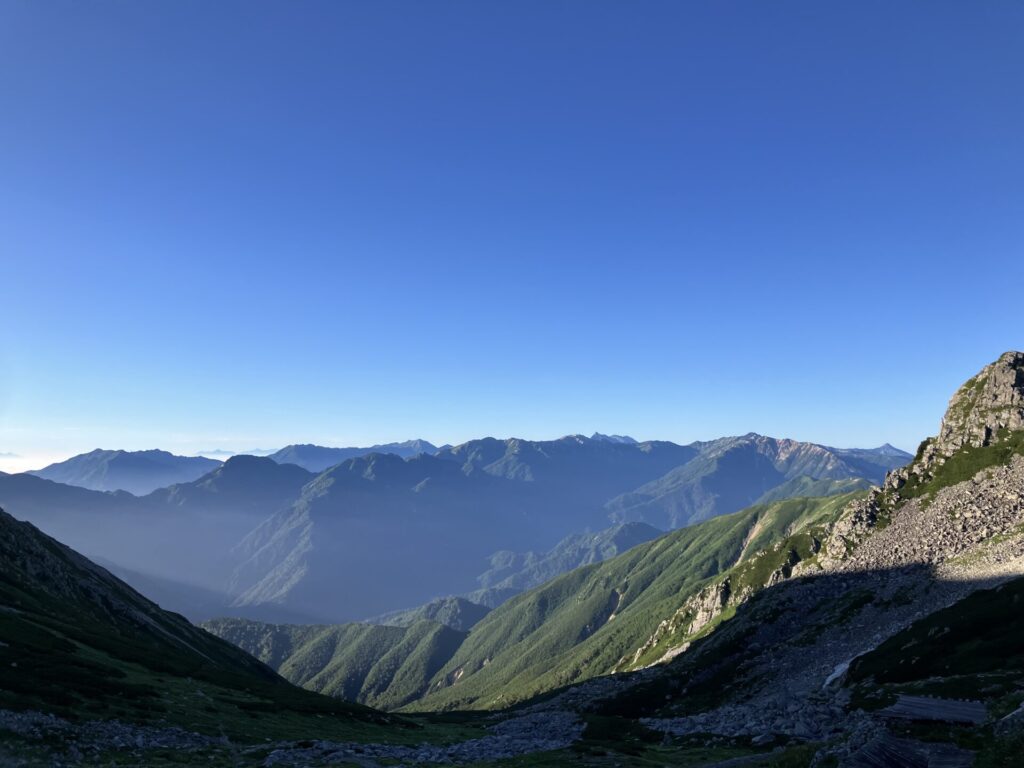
(317, 458)
(138, 472)
(282, 543)
(625, 439)
(180, 533)
(734, 472)
(774, 610)
(438, 515)
(254, 485)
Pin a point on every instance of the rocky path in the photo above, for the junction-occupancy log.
(78, 741)
(72, 743)
(536, 732)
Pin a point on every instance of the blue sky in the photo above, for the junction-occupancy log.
(238, 225)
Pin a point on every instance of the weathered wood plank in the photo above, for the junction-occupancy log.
(942, 710)
(888, 751)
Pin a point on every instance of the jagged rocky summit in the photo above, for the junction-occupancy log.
(984, 411)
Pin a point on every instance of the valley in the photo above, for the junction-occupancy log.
(511, 385)
(769, 633)
(486, 519)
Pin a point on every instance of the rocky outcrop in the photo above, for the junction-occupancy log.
(985, 408)
(511, 737)
(857, 521)
(889, 560)
(92, 741)
(964, 522)
(694, 614)
(874, 582)
(991, 401)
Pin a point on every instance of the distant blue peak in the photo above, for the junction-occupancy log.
(623, 439)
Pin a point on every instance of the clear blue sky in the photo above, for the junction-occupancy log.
(237, 225)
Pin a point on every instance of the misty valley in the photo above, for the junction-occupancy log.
(576, 384)
(576, 600)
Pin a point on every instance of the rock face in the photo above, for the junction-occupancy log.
(991, 401)
(857, 522)
(800, 633)
(695, 614)
(986, 408)
(890, 559)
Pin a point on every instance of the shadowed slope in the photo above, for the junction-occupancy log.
(76, 641)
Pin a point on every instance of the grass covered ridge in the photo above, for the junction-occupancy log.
(582, 624)
(965, 464)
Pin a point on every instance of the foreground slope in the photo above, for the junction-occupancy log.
(889, 601)
(78, 642)
(92, 673)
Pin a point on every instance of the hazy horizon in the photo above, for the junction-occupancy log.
(12, 462)
(352, 226)
(779, 245)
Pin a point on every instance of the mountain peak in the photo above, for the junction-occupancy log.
(244, 471)
(887, 449)
(983, 411)
(987, 403)
(317, 458)
(621, 439)
(138, 472)
(248, 459)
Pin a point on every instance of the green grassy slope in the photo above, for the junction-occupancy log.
(382, 666)
(455, 612)
(77, 642)
(582, 624)
(513, 572)
(805, 486)
(964, 464)
(972, 649)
